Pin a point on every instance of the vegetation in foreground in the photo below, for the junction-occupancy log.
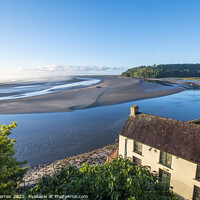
(163, 71)
(120, 179)
(11, 172)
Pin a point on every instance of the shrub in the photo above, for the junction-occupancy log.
(11, 172)
(120, 179)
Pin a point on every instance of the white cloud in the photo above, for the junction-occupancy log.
(53, 71)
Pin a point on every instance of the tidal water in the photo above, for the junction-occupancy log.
(22, 90)
(51, 136)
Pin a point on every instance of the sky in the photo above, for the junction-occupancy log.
(96, 36)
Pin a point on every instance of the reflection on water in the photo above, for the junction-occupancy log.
(51, 136)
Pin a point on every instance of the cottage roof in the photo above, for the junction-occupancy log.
(175, 137)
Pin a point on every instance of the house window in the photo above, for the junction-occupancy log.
(125, 150)
(196, 194)
(137, 160)
(137, 147)
(165, 158)
(165, 177)
(198, 172)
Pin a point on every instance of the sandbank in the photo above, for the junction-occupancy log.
(109, 91)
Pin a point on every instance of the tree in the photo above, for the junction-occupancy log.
(163, 71)
(11, 172)
(119, 179)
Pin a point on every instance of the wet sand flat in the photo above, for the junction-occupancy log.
(109, 92)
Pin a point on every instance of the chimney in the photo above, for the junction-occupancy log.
(134, 110)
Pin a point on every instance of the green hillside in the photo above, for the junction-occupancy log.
(163, 71)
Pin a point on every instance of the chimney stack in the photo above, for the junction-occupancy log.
(134, 110)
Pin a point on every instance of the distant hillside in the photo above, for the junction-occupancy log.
(163, 71)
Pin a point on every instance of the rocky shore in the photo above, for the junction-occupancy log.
(94, 157)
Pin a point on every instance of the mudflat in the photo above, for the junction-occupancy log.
(109, 91)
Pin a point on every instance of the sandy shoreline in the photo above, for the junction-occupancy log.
(110, 91)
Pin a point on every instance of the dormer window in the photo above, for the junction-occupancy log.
(165, 159)
(137, 147)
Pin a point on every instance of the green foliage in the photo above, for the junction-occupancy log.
(120, 179)
(11, 172)
(163, 71)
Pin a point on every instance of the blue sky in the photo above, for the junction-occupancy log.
(38, 34)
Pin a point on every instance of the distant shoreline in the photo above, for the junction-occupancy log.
(109, 91)
(175, 80)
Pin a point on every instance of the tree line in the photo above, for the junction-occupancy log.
(163, 71)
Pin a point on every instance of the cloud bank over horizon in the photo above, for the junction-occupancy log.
(51, 72)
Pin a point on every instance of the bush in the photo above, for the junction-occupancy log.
(11, 173)
(120, 179)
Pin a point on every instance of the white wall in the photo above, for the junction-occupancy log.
(182, 171)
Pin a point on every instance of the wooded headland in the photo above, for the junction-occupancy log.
(164, 71)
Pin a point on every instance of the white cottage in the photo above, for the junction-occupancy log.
(170, 147)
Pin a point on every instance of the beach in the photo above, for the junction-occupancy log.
(50, 132)
(109, 91)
